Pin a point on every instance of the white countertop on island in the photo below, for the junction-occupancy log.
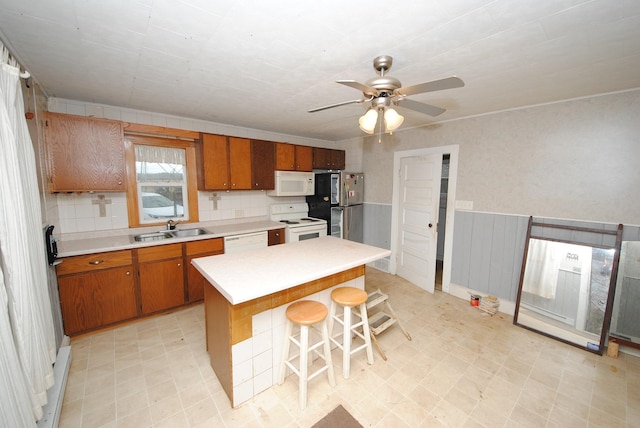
(245, 276)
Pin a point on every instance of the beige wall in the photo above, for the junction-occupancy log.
(577, 159)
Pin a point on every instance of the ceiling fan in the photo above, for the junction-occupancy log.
(384, 91)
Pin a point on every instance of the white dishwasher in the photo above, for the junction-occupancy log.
(244, 242)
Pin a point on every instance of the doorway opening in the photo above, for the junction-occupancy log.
(442, 218)
(435, 193)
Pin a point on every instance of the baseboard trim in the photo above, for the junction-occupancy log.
(55, 394)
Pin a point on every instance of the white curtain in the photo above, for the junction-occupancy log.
(27, 339)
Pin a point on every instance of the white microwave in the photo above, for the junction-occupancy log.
(293, 183)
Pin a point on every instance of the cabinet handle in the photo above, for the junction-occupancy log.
(128, 273)
(179, 265)
(96, 262)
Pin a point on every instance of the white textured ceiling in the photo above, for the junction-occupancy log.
(263, 64)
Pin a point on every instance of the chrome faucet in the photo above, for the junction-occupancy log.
(171, 225)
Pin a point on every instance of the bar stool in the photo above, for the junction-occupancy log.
(348, 298)
(305, 314)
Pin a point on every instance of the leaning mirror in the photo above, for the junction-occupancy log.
(566, 286)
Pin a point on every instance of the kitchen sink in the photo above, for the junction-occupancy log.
(188, 232)
(168, 234)
(152, 236)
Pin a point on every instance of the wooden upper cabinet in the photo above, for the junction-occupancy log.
(328, 158)
(84, 154)
(263, 164)
(285, 157)
(240, 163)
(321, 158)
(213, 162)
(224, 163)
(338, 159)
(304, 158)
(292, 157)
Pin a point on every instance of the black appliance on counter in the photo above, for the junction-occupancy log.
(338, 199)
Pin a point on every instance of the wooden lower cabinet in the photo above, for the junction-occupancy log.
(276, 236)
(161, 270)
(195, 281)
(96, 290)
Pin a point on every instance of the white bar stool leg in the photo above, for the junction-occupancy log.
(346, 343)
(304, 368)
(327, 354)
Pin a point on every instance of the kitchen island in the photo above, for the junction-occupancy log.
(249, 293)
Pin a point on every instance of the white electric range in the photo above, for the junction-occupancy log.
(299, 226)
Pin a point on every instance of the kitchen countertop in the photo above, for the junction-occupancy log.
(122, 239)
(252, 274)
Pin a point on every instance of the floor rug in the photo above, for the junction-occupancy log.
(338, 418)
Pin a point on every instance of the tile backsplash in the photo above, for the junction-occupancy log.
(78, 213)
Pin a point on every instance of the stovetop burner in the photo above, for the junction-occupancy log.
(289, 221)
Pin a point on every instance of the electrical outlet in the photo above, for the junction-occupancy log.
(239, 213)
(464, 205)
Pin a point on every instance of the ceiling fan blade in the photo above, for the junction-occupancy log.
(435, 85)
(367, 90)
(336, 105)
(421, 108)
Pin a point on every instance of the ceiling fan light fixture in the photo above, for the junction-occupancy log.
(392, 120)
(368, 121)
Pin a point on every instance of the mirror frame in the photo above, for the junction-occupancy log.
(615, 336)
(556, 232)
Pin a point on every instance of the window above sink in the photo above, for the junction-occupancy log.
(161, 180)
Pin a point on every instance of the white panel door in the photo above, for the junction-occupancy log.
(419, 191)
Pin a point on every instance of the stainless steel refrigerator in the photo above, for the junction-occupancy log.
(338, 199)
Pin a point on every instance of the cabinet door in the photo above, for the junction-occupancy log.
(304, 158)
(95, 299)
(240, 163)
(276, 236)
(285, 157)
(263, 164)
(161, 285)
(161, 273)
(337, 159)
(213, 163)
(195, 281)
(321, 158)
(84, 154)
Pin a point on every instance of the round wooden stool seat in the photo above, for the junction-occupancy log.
(306, 312)
(349, 296)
